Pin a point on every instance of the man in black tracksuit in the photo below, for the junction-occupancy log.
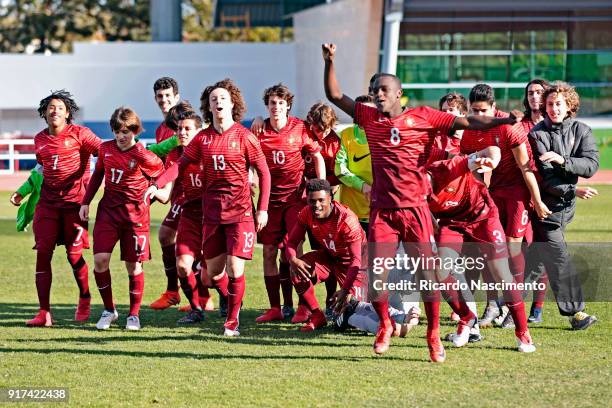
(563, 149)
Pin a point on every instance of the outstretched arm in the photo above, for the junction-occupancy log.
(330, 82)
(485, 122)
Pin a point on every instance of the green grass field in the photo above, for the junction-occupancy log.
(274, 365)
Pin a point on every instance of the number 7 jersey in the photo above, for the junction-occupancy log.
(400, 148)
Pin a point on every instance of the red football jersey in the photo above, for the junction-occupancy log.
(126, 173)
(163, 132)
(400, 148)
(506, 137)
(178, 195)
(329, 148)
(226, 158)
(457, 195)
(285, 153)
(65, 159)
(190, 180)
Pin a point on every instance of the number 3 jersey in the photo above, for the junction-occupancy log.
(65, 160)
(127, 173)
(400, 148)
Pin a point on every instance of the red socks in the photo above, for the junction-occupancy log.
(236, 293)
(136, 290)
(285, 282)
(103, 280)
(455, 300)
(43, 288)
(189, 285)
(80, 271)
(273, 285)
(517, 267)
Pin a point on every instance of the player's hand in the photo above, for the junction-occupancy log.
(84, 212)
(340, 300)
(542, 210)
(586, 192)
(329, 51)
(485, 164)
(150, 194)
(552, 157)
(258, 125)
(261, 219)
(367, 191)
(300, 268)
(16, 199)
(412, 318)
(515, 116)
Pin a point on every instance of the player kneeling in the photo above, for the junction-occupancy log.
(127, 167)
(336, 230)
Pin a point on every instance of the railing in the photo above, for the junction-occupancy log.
(14, 156)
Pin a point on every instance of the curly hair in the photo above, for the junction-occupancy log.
(125, 118)
(281, 91)
(61, 95)
(174, 113)
(454, 99)
(227, 84)
(314, 185)
(321, 115)
(543, 83)
(568, 92)
(166, 83)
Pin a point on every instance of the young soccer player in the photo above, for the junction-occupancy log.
(64, 150)
(453, 103)
(127, 168)
(285, 141)
(226, 150)
(167, 95)
(400, 141)
(564, 150)
(336, 230)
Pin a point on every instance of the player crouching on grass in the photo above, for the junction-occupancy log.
(336, 230)
(127, 167)
(467, 213)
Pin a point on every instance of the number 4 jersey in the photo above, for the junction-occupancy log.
(400, 148)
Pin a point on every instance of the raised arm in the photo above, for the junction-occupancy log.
(485, 122)
(330, 82)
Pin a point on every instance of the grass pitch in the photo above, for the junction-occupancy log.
(275, 365)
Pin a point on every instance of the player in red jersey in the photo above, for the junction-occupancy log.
(127, 167)
(167, 95)
(466, 213)
(453, 103)
(340, 237)
(400, 141)
(285, 141)
(226, 150)
(64, 150)
(513, 185)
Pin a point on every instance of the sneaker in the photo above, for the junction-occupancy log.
(437, 354)
(329, 313)
(503, 314)
(462, 337)
(106, 319)
(581, 321)
(475, 337)
(383, 339)
(508, 322)
(490, 313)
(525, 343)
(341, 321)
(231, 333)
(83, 310)
(223, 306)
(301, 315)
(167, 299)
(194, 316)
(316, 321)
(271, 315)
(132, 323)
(535, 315)
(288, 312)
(42, 319)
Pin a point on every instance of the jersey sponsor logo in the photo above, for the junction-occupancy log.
(360, 158)
(520, 230)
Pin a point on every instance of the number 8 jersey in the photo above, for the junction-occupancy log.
(400, 148)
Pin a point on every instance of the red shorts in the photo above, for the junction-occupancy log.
(324, 266)
(236, 239)
(128, 224)
(488, 234)
(59, 226)
(174, 215)
(411, 226)
(189, 232)
(280, 222)
(514, 214)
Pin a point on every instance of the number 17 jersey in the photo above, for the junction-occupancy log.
(400, 148)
